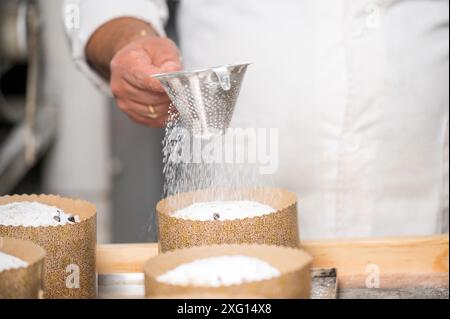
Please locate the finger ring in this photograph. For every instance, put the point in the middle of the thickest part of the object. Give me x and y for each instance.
(151, 112)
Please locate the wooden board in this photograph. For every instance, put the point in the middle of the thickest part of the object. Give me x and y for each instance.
(401, 262)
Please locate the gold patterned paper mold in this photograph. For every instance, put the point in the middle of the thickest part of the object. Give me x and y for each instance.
(25, 282)
(277, 228)
(294, 266)
(69, 270)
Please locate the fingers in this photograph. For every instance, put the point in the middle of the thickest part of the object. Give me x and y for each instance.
(138, 94)
(134, 66)
(156, 123)
(150, 115)
(170, 66)
(141, 77)
(152, 111)
(143, 96)
(166, 58)
(137, 62)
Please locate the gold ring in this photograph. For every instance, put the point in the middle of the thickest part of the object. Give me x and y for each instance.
(151, 112)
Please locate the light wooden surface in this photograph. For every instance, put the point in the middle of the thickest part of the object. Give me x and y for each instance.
(401, 262)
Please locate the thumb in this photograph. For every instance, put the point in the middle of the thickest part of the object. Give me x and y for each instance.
(170, 66)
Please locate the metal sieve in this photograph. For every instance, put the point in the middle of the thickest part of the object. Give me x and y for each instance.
(205, 99)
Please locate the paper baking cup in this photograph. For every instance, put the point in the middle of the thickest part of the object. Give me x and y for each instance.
(278, 228)
(69, 270)
(26, 282)
(293, 264)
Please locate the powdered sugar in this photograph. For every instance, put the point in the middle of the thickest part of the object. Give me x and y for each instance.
(223, 210)
(220, 271)
(34, 214)
(11, 262)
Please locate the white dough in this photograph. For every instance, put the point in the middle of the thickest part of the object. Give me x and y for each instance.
(33, 214)
(220, 271)
(11, 262)
(226, 210)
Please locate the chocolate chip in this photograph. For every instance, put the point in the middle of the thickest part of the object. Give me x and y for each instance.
(57, 218)
(216, 216)
(71, 219)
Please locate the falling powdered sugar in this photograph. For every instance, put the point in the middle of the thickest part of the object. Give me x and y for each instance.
(8, 262)
(34, 214)
(193, 163)
(220, 271)
(223, 210)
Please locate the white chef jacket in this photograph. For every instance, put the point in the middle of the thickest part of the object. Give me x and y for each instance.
(358, 90)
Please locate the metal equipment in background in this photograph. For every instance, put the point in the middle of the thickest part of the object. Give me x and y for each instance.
(13, 50)
(26, 130)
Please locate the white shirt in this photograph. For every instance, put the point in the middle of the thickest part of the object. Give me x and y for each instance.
(358, 90)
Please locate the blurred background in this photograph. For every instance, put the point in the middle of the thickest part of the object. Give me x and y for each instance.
(59, 135)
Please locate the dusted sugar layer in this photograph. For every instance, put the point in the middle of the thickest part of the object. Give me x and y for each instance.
(34, 214)
(8, 262)
(223, 210)
(69, 270)
(220, 271)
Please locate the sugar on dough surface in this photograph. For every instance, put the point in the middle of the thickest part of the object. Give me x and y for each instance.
(220, 271)
(223, 210)
(34, 214)
(11, 262)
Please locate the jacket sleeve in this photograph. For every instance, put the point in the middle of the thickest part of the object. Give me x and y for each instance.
(83, 17)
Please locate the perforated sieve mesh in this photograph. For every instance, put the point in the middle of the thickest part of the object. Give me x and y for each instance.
(206, 98)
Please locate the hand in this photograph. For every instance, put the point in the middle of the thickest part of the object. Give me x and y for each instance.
(138, 95)
(127, 52)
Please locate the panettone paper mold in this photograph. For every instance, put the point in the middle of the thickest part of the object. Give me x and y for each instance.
(277, 228)
(294, 265)
(69, 268)
(24, 282)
